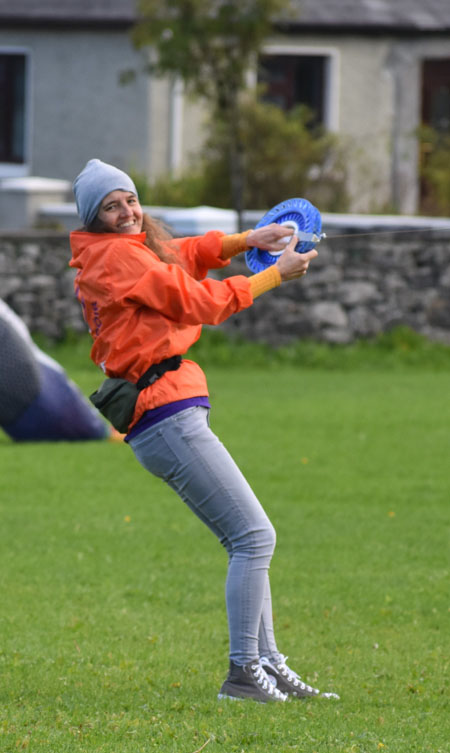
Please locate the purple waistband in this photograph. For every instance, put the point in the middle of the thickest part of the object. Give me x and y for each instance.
(156, 415)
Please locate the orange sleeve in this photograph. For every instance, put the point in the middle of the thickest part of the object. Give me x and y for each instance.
(143, 279)
(263, 281)
(234, 244)
(200, 253)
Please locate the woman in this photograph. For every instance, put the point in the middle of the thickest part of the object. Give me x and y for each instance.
(145, 297)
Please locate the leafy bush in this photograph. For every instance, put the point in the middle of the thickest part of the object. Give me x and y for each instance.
(185, 191)
(284, 155)
(435, 171)
(399, 348)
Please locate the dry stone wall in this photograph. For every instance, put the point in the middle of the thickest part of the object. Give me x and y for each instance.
(356, 288)
(37, 283)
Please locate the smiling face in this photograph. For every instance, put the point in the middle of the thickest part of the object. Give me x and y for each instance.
(120, 212)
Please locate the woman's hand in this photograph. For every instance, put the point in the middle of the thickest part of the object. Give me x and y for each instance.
(271, 237)
(291, 264)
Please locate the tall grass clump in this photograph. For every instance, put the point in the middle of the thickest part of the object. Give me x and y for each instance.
(398, 348)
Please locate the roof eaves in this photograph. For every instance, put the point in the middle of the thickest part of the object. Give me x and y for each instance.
(362, 29)
(76, 21)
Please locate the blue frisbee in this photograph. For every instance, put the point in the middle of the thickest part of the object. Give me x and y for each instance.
(298, 214)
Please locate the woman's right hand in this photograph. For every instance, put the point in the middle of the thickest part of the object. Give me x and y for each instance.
(291, 264)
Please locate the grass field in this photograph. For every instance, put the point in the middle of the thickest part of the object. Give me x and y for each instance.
(112, 619)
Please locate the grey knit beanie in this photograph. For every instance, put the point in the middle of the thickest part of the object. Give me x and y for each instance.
(95, 182)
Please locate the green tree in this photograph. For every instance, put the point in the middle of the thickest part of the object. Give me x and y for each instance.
(211, 45)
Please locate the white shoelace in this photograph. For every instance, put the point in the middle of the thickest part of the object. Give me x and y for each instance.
(262, 679)
(282, 668)
(293, 677)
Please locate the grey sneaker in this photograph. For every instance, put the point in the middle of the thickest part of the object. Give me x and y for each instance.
(288, 681)
(250, 681)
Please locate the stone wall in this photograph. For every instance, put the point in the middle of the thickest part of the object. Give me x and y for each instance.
(357, 287)
(37, 283)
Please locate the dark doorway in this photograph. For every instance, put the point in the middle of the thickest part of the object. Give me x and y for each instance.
(436, 116)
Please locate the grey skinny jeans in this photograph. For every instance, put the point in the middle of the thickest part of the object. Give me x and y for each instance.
(184, 452)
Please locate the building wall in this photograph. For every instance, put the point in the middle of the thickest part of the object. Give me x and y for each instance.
(374, 105)
(367, 79)
(377, 110)
(78, 109)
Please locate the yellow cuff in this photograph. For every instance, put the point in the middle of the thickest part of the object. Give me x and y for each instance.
(263, 281)
(234, 244)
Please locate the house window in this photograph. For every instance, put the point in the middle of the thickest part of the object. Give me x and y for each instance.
(436, 94)
(12, 107)
(296, 79)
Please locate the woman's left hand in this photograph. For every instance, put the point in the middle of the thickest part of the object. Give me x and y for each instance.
(271, 237)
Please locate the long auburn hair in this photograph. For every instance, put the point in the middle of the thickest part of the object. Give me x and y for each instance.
(158, 238)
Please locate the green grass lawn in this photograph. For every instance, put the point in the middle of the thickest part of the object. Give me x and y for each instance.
(112, 619)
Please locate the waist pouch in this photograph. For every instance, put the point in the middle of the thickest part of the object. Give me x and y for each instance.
(116, 398)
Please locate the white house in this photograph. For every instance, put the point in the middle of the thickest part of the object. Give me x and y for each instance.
(373, 70)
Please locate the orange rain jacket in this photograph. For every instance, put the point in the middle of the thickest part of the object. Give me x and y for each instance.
(141, 310)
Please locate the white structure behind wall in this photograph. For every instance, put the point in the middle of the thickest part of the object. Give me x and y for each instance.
(176, 126)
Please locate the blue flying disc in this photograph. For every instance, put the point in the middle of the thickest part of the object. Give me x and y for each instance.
(299, 214)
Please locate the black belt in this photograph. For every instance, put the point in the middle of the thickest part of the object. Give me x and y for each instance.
(157, 370)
